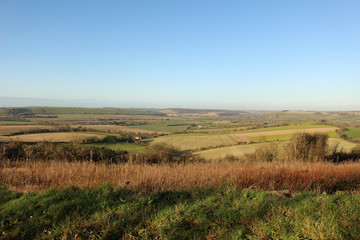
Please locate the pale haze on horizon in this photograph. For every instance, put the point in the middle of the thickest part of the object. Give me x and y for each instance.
(260, 55)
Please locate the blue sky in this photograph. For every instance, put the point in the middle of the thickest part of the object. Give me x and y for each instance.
(248, 54)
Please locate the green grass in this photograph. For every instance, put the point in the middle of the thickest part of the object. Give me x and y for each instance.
(130, 147)
(223, 213)
(353, 133)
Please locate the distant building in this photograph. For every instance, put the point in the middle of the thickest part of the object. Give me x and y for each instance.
(138, 138)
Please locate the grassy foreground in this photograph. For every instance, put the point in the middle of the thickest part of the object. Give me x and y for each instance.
(208, 213)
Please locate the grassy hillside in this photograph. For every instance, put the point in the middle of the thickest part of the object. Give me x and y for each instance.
(207, 213)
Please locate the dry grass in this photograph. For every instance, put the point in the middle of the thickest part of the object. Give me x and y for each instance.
(186, 142)
(341, 143)
(236, 151)
(37, 176)
(6, 130)
(116, 129)
(50, 137)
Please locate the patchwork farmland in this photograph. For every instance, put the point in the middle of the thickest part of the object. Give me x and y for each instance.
(166, 165)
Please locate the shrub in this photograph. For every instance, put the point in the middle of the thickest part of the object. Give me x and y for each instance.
(163, 153)
(109, 139)
(267, 153)
(307, 147)
(44, 151)
(304, 147)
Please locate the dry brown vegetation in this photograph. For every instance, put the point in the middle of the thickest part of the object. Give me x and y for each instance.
(38, 176)
(115, 129)
(51, 137)
(6, 130)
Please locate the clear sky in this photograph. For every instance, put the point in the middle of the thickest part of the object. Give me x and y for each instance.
(241, 54)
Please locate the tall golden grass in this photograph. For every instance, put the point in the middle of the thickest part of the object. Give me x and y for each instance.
(38, 176)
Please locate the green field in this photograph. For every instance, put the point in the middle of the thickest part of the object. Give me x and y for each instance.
(130, 147)
(353, 133)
